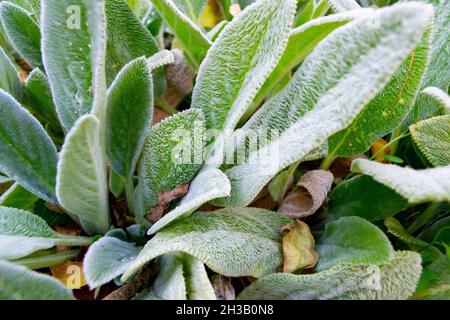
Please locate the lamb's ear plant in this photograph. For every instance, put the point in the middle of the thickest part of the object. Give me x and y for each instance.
(108, 163)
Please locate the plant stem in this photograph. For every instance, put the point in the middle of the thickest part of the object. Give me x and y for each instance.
(129, 194)
(396, 136)
(48, 260)
(327, 162)
(69, 241)
(165, 106)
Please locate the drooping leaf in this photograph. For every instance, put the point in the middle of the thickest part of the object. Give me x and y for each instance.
(328, 92)
(195, 43)
(432, 136)
(19, 283)
(417, 186)
(107, 259)
(73, 50)
(81, 181)
(9, 80)
(366, 198)
(32, 164)
(240, 61)
(38, 97)
(302, 42)
(18, 197)
(208, 185)
(394, 280)
(128, 39)
(22, 31)
(22, 233)
(220, 239)
(169, 157)
(352, 240)
(384, 113)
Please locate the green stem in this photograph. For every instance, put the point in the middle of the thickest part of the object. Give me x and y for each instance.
(69, 241)
(327, 162)
(396, 136)
(48, 260)
(160, 102)
(429, 213)
(129, 193)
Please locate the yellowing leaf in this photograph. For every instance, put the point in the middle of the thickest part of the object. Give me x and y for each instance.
(70, 273)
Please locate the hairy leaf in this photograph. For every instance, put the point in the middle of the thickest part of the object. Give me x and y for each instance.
(107, 259)
(393, 280)
(220, 239)
(440, 96)
(208, 185)
(328, 92)
(74, 49)
(417, 186)
(18, 197)
(434, 282)
(81, 182)
(9, 80)
(19, 283)
(22, 32)
(352, 240)
(32, 164)
(344, 5)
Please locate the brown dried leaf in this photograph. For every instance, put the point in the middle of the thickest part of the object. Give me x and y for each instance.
(165, 198)
(379, 149)
(298, 248)
(309, 195)
(223, 288)
(341, 166)
(180, 79)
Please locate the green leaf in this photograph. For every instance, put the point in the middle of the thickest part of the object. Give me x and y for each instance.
(163, 165)
(195, 43)
(366, 198)
(208, 185)
(73, 50)
(432, 136)
(19, 283)
(436, 75)
(128, 40)
(352, 240)
(217, 30)
(22, 233)
(38, 97)
(394, 280)
(328, 92)
(9, 79)
(32, 164)
(220, 239)
(192, 8)
(22, 31)
(302, 42)
(81, 182)
(417, 186)
(18, 197)
(434, 281)
(240, 61)
(440, 96)
(344, 5)
(384, 113)
(182, 277)
(107, 259)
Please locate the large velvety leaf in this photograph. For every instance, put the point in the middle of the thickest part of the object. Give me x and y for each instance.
(240, 60)
(208, 185)
(9, 79)
(352, 240)
(19, 283)
(417, 186)
(432, 136)
(127, 40)
(327, 93)
(366, 198)
(393, 280)
(383, 114)
(18, 197)
(22, 233)
(81, 182)
(436, 75)
(302, 42)
(182, 277)
(162, 167)
(195, 43)
(107, 259)
(73, 49)
(32, 164)
(22, 31)
(38, 97)
(220, 240)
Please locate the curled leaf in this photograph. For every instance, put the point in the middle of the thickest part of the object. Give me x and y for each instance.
(310, 194)
(298, 248)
